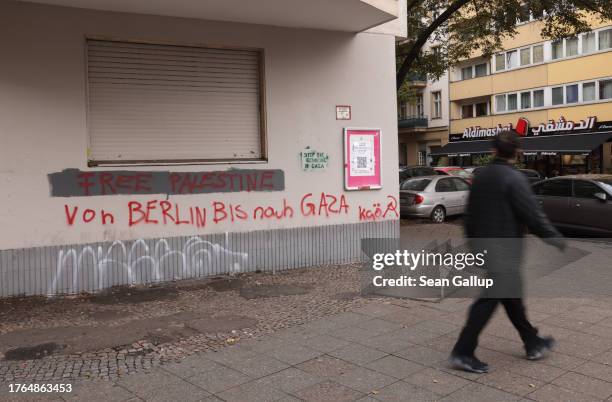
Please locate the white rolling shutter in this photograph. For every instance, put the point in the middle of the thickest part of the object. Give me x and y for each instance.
(160, 103)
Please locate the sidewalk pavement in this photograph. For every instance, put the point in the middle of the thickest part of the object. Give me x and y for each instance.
(389, 350)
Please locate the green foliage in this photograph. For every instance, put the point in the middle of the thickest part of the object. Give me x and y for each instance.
(483, 160)
(443, 32)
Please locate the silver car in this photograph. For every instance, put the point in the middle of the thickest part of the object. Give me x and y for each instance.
(434, 197)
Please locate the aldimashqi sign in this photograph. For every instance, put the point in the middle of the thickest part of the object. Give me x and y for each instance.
(523, 128)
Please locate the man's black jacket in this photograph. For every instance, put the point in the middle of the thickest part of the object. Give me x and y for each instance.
(501, 208)
(502, 205)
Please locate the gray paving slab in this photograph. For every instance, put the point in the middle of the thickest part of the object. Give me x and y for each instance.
(395, 366)
(357, 354)
(292, 353)
(480, 393)
(253, 391)
(215, 381)
(402, 391)
(328, 391)
(588, 385)
(554, 393)
(326, 366)
(511, 382)
(291, 380)
(437, 381)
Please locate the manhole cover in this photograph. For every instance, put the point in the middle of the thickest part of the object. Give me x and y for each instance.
(259, 292)
(32, 352)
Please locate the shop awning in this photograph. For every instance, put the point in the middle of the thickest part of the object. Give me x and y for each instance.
(565, 144)
(464, 148)
(558, 144)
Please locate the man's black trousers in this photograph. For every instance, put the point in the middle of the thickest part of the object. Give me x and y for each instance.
(480, 313)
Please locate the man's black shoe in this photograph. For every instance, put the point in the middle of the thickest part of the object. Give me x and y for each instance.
(544, 346)
(468, 363)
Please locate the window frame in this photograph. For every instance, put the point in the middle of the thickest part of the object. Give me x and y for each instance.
(547, 51)
(521, 106)
(599, 48)
(595, 95)
(599, 91)
(552, 95)
(445, 179)
(436, 112)
(547, 96)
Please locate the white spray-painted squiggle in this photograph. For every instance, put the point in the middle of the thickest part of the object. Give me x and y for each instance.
(197, 257)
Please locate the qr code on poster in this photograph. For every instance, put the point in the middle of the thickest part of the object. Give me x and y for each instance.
(362, 162)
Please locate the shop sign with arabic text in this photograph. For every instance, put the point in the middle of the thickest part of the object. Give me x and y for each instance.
(523, 128)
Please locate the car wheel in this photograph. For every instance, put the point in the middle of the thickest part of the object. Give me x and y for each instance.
(438, 215)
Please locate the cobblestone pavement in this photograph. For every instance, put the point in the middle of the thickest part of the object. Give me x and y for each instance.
(325, 344)
(166, 325)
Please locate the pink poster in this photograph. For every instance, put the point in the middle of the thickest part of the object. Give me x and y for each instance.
(362, 159)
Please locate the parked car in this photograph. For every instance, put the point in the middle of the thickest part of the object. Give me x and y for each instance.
(472, 169)
(434, 197)
(532, 175)
(407, 172)
(578, 204)
(454, 171)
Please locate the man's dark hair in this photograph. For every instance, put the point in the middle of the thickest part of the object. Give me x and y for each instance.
(506, 144)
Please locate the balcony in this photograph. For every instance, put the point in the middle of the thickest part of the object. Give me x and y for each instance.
(337, 15)
(417, 80)
(413, 122)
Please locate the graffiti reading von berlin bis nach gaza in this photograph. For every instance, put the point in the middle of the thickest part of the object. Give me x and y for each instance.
(163, 212)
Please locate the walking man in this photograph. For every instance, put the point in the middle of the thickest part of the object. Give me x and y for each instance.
(501, 205)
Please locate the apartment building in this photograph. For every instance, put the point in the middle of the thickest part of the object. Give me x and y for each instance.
(154, 141)
(423, 121)
(556, 94)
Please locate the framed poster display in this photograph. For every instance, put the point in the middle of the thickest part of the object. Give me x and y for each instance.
(362, 152)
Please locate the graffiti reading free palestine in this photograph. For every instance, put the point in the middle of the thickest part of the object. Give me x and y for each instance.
(163, 212)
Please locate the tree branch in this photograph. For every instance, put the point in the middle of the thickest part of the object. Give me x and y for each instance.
(412, 4)
(421, 40)
(591, 7)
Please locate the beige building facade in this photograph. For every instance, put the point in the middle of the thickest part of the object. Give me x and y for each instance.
(542, 88)
(144, 142)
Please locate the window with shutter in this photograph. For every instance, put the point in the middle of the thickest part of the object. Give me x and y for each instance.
(164, 104)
